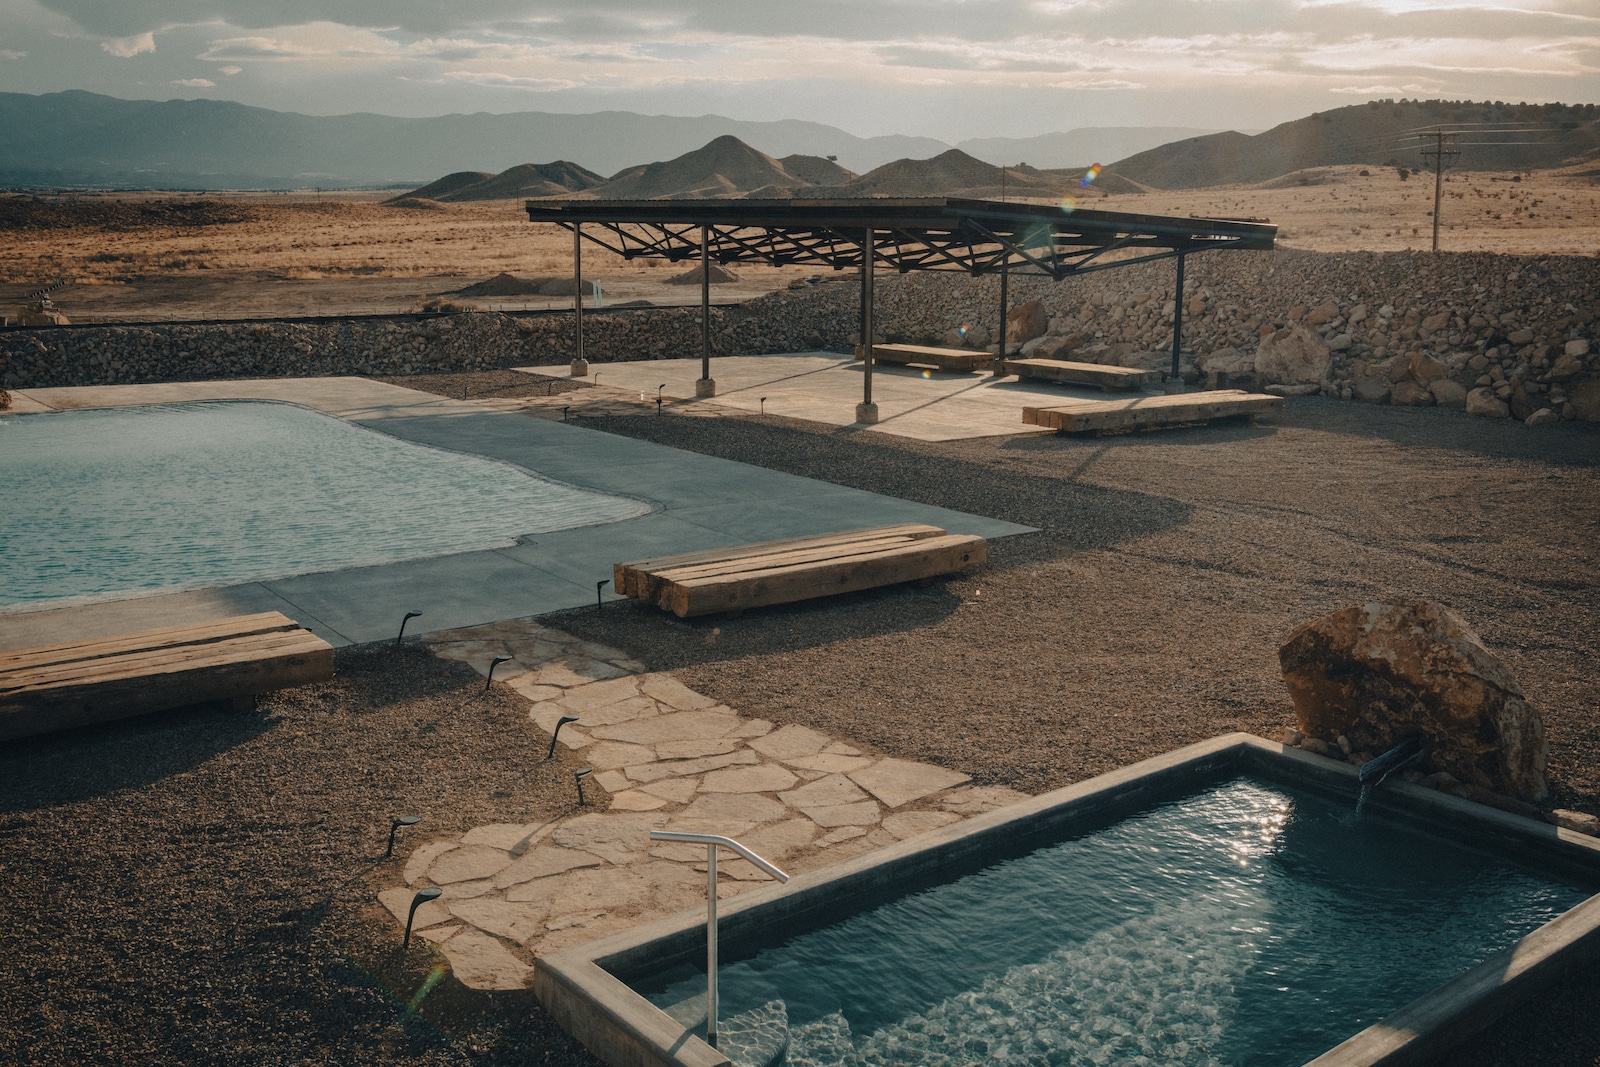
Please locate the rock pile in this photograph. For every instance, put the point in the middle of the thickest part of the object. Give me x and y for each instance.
(1498, 336)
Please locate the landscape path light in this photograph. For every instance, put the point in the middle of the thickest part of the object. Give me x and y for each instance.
(578, 776)
(422, 897)
(409, 616)
(599, 601)
(487, 682)
(394, 828)
(557, 733)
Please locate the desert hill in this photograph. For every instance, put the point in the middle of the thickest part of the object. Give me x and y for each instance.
(1493, 136)
(724, 167)
(449, 185)
(1076, 149)
(560, 178)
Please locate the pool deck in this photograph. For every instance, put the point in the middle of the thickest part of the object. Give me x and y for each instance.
(825, 387)
(702, 502)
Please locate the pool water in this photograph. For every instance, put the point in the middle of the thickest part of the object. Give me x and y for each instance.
(1242, 925)
(121, 502)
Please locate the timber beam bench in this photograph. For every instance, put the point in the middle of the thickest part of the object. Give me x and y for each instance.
(948, 359)
(61, 686)
(796, 568)
(1151, 412)
(1068, 372)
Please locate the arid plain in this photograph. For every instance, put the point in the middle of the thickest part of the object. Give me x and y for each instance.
(246, 255)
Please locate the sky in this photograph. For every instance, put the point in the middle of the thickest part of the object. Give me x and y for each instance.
(950, 69)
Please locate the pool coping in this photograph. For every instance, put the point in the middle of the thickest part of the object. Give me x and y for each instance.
(581, 990)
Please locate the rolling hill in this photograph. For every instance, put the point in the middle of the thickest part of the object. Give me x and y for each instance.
(1378, 133)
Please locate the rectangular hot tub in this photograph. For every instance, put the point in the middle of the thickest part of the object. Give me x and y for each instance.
(1221, 904)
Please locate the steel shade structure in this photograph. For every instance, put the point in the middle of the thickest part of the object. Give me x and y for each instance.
(974, 237)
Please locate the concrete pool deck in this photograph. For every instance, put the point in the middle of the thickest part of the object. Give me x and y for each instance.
(825, 387)
(701, 501)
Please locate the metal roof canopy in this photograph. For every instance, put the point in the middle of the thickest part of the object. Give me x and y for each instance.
(921, 233)
(936, 233)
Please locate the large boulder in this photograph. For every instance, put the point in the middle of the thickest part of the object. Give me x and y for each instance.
(1386, 671)
(1292, 356)
(1484, 403)
(1585, 398)
(1026, 322)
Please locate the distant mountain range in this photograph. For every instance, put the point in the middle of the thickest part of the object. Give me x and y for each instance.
(76, 139)
(728, 168)
(82, 138)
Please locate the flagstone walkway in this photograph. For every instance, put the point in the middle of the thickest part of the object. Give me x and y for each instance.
(670, 758)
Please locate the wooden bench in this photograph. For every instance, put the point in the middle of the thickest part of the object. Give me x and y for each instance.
(796, 568)
(57, 687)
(1069, 373)
(1150, 412)
(950, 359)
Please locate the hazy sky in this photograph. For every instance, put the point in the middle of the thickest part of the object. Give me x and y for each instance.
(943, 68)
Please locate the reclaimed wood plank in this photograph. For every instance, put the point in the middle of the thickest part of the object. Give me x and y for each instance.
(1068, 372)
(924, 558)
(116, 644)
(634, 579)
(1149, 412)
(57, 687)
(781, 559)
(948, 359)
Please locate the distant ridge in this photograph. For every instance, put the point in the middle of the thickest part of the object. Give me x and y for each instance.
(1076, 148)
(524, 180)
(1378, 133)
(78, 138)
(722, 168)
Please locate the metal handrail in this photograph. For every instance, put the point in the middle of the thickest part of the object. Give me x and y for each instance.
(711, 841)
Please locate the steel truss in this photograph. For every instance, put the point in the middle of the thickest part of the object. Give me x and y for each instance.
(932, 233)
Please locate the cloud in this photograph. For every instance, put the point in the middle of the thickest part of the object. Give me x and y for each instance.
(494, 80)
(1380, 90)
(230, 70)
(127, 47)
(11, 53)
(196, 83)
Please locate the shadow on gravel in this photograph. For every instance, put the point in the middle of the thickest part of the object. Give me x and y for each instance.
(1226, 432)
(1567, 444)
(92, 761)
(1072, 517)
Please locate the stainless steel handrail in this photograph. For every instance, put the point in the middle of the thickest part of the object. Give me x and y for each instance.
(711, 841)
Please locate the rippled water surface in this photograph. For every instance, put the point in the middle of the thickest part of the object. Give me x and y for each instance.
(126, 501)
(1242, 925)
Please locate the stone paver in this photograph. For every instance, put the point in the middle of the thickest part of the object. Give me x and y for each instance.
(666, 756)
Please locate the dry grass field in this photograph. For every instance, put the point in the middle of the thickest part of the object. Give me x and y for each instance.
(159, 256)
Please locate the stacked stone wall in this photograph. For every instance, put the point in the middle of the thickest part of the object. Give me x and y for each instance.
(1505, 336)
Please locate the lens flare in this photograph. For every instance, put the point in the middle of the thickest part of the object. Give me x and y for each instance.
(1068, 204)
(1090, 175)
(963, 328)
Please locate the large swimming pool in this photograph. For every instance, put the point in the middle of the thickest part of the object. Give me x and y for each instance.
(1247, 924)
(118, 502)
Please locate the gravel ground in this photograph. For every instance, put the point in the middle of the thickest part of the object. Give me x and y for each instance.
(475, 385)
(1148, 612)
(199, 887)
(194, 888)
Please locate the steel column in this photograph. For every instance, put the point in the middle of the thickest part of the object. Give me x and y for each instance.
(868, 264)
(711, 946)
(1000, 353)
(580, 366)
(705, 303)
(1177, 320)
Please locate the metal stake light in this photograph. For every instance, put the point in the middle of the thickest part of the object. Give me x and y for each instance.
(409, 616)
(578, 776)
(557, 733)
(487, 682)
(394, 828)
(422, 897)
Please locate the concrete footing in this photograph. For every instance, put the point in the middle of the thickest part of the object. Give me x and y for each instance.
(705, 387)
(580, 368)
(1172, 386)
(867, 414)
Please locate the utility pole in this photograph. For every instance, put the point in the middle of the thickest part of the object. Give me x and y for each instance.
(1444, 152)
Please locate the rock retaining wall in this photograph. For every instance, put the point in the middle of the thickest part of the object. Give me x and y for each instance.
(1501, 336)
